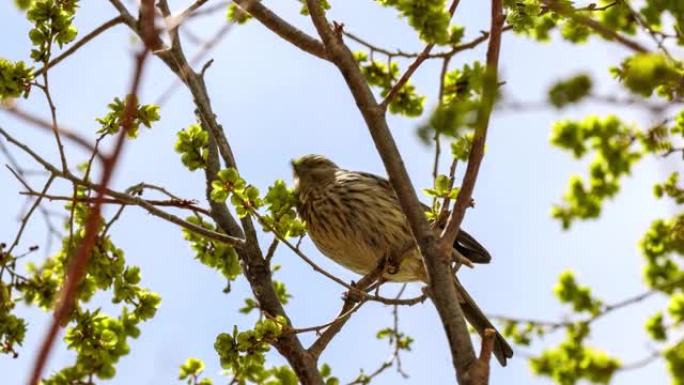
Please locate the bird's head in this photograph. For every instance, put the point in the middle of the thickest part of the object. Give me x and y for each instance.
(311, 171)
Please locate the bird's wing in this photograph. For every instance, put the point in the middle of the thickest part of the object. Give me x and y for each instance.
(465, 244)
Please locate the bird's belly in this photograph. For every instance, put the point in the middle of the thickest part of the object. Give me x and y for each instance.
(361, 258)
(353, 255)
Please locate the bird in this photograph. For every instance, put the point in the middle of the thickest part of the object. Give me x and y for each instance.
(354, 218)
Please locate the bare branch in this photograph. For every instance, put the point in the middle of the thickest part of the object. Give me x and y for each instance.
(397, 301)
(203, 51)
(53, 110)
(337, 319)
(405, 77)
(395, 357)
(437, 55)
(176, 21)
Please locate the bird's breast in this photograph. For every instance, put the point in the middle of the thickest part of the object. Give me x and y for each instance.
(356, 221)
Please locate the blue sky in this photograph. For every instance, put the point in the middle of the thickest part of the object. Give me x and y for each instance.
(277, 103)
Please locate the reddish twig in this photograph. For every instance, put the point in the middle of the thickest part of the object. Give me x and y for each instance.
(44, 124)
(79, 264)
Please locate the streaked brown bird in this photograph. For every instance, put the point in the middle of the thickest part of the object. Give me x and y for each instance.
(354, 218)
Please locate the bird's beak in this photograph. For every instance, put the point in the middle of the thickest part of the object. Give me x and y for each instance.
(294, 164)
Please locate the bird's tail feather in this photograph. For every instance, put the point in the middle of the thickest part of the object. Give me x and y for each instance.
(476, 318)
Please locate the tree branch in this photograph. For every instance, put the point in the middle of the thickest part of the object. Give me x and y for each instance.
(477, 150)
(348, 308)
(44, 124)
(255, 267)
(414, 66)
(441, 281)
(24, 220)
(123, 197)
(283, 29)
(607, 33)
(79, 264)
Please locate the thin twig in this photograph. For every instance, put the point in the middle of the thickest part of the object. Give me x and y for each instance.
(413, 67)
(605, 309)
(25, 219)
(640, 19)
(20, 173)
(638, 364)
(173, 22)
(181, 204)
(608, 33)
(126, 198)
(271, 250)
(297, 251)
(350, 302)
(53, 110)
(80, 43)
(319, 328)
(44, 124)
(406, 76)
(203, 51)
(395, 357)
(489, 91)
(410, 55)
(115, 218)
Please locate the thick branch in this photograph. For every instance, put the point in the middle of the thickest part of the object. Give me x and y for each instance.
(283, 29)
(441, 281)
(256, 268)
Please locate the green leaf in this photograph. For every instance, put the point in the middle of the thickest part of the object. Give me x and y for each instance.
(191, 367)
(570, 91)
